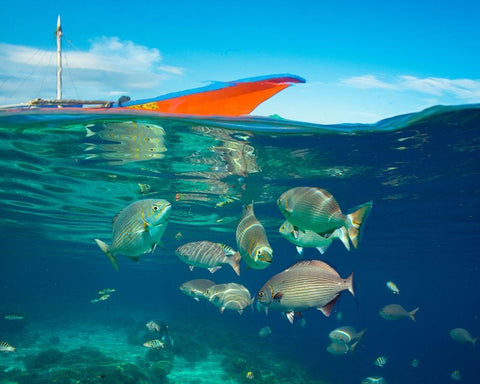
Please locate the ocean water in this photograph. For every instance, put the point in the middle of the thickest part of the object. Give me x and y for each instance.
(65, 176)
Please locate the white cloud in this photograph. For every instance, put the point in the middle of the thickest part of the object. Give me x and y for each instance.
(108, 66)
(463, 89)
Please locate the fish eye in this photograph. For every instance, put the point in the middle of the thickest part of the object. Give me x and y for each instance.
(155, 208)
(261, 294)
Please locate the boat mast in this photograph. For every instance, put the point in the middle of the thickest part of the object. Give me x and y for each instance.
(58, 34)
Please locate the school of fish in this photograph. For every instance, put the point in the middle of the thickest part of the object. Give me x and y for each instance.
(312, 219)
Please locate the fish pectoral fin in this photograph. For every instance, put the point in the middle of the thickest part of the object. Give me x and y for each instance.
(327, 309)
(299, 250)
(214, 269)
(290, 315)
(278, 296)
(322, 249)
(134, 258)
(196, 299)
(190, 267)
(145, 224)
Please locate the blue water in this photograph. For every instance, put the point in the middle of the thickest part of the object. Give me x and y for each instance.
(61, 188)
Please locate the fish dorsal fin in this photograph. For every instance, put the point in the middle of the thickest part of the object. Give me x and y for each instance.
(228, 250)
(316, 264)
(116, 217)
(247, 210)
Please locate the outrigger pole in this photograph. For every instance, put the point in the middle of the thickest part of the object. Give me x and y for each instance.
(58, 34)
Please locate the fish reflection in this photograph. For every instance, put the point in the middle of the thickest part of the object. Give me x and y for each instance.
(125, 141)
(239, 157)
(236, 155)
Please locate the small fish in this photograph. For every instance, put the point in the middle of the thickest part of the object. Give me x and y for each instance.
(462, 336)
(339, 349)
(310, 239)
(104, 297)
(205, 254)
(231, 296)
(107, 291)
(456, 375)
(94, 301)
(252, 240)
(265, 331)
(374, 380)
(415, 363)
(154, 344)
(196, 288)
(13, 317)
(152, 326)
(249, 375)
(306, 284)
(5, 347)
(137, 229)
(178, 235)
(315, 209)
(381, 361)
(345, 335)
(339, 316)
(144, 188)
(397, 312)
(392, 287)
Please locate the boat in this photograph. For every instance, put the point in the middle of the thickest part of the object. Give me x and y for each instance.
(232, 98)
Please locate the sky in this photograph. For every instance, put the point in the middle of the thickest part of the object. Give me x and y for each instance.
(363, 60)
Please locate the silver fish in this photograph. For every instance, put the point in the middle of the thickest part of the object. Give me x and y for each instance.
(339, 349)
(397, 312)
(252, 240)
(392, 287)
(456, 375)
(374, 380)
(205, 254)
(381, 361)
(137, 229)
(345, 335)
(154, 344)
(306, 284)
(310, 239)
(315, 209)
(231, 296)
(462, 336)
(196, 288)
(5, 347)
(265, 331)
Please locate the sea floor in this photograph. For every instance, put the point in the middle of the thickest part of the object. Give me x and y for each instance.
(91, 353)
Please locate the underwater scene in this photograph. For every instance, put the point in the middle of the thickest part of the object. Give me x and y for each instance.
(140, 248)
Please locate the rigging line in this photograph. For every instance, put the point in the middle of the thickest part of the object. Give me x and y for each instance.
(69, 71)
(34, 68)
(46, 71)
(28, 62)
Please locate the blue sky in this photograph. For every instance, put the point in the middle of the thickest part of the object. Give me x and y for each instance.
(363, 60)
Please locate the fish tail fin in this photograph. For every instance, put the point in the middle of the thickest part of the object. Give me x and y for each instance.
(412, 313)
(342, 234)
(352, 347)
(106, 249)
(234, 261)
(349, 282)
(357, 219)
(360, 334)
(89, 131)
(474, 341)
